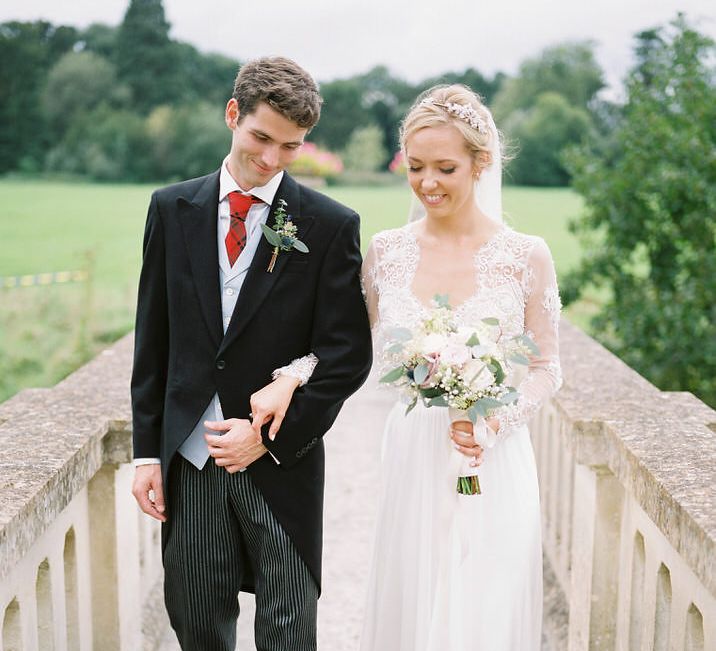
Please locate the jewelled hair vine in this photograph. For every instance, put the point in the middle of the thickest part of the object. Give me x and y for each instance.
(464, 112)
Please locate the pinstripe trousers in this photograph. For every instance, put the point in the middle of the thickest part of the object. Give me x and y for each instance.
(217, 521)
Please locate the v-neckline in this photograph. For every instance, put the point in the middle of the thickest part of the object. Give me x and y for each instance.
(488, 243)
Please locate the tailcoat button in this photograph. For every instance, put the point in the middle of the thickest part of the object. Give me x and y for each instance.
(221, 364)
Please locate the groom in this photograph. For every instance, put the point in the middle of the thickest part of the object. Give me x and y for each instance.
(214, 320)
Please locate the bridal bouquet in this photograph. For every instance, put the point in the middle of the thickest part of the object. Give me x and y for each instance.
(463, 368)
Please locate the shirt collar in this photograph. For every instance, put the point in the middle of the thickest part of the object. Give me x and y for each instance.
(266, 193)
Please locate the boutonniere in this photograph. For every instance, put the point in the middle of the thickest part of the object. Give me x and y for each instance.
(282, 237)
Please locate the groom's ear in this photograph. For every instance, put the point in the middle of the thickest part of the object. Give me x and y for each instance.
(231, 115)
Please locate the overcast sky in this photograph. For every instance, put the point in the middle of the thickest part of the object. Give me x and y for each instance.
(414, 38)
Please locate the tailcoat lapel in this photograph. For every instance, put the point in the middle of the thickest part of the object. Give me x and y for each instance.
(259, 281)
(198, 216)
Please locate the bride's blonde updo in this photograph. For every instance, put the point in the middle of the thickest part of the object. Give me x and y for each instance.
(458, 106)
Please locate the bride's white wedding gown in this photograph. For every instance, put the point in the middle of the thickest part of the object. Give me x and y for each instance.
(453, 572)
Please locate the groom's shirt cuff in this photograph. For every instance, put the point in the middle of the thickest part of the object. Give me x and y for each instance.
(145, 461)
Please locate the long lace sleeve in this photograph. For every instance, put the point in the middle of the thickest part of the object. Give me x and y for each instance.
(369, 283)
(301, 368)
(542, 309)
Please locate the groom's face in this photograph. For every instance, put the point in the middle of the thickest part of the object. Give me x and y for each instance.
(263, 143)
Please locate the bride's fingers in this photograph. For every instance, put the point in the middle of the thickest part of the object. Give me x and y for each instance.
(461, 438)
(474, 451)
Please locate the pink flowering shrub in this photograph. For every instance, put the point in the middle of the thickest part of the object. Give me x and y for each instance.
(397, 165)
(313, 161)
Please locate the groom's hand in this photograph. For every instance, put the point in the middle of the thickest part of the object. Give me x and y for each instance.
(236, 449)
(148, 491)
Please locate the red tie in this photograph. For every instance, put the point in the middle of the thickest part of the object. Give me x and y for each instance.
(239, 205)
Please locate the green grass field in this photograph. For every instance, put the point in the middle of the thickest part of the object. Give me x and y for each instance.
(47, 331)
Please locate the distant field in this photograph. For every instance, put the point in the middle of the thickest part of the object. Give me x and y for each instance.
(46, 332)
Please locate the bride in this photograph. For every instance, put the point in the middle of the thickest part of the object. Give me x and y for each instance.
(456, 572)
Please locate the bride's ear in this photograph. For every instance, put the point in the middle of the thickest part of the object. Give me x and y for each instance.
(482, 160)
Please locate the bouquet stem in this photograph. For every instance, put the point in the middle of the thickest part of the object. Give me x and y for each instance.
(468, 485)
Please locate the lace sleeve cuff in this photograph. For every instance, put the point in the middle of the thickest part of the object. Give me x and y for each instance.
(301, 369)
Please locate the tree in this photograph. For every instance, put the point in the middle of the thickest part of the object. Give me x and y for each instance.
(568, 69)
(186, 141)
(649, 227)
(100, 39)
(342, 112)
(386, 99)
(548, 107)
(78, 83)
(542, 132)
(26, 50)
(106, 145)
(365, 151)
(203, 77)
(484, 87)
(144, 55)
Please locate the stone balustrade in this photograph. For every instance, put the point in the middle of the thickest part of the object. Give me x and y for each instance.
(628, 493)
(628, 481)
(79, 566)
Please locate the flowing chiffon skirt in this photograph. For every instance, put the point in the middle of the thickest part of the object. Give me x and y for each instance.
(454, 572)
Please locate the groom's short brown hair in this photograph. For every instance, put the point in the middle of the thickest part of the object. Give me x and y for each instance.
(283, 85)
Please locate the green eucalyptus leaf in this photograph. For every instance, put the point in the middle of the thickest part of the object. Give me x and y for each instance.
(400, 334)
(489, 403)
(274, 239)
(518, 358)
(395, 348)
(438, 401)
(491, 321)
(420, 373)
(392, 376)
(499, 372)
(441, 300)
(411, 406)
(300, 246)
(478, 409)
(527, 342)
(473, 340)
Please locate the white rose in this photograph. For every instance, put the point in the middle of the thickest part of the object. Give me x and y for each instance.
(432, 343)
(455, 354)
(477, 375)
(464, 333)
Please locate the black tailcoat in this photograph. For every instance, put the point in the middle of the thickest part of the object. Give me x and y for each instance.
(311, 302)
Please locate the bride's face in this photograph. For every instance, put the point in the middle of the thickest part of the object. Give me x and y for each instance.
(440, 170)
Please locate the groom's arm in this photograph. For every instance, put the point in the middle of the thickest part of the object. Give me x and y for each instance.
(341, 342)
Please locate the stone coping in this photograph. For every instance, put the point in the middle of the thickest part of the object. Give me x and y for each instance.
(660, 445)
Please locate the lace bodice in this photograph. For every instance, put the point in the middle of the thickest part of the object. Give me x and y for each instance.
(515, 282)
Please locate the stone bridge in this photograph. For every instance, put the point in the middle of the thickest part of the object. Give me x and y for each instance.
(628, 490)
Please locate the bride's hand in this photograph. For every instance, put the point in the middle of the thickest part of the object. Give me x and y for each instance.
(461, 434)
(271, 402)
